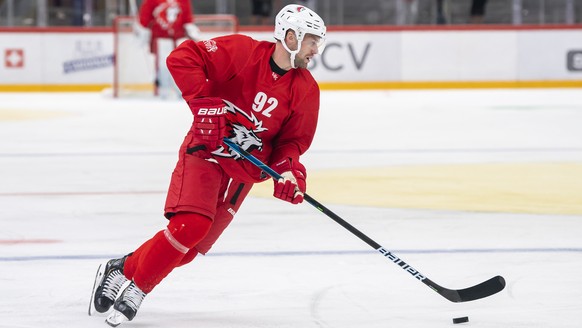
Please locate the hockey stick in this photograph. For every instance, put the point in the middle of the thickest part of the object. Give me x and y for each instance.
(484, 289)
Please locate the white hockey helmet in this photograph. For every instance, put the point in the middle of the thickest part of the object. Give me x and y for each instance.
(301, 20)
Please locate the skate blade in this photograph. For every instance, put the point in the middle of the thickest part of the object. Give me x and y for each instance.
(116, 318)
(98, 279)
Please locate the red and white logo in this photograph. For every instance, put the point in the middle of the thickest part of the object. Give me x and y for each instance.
(14, 58)
(212, 111)
(210, 45)
(166, 14)
(245, 129)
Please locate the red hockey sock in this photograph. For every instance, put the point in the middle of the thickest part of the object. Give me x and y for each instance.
(157, 257)
(189, 257)
(133, 259)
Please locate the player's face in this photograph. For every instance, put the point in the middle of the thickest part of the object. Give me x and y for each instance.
(309, 48)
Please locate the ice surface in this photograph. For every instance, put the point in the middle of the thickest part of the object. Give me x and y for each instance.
(83, 177)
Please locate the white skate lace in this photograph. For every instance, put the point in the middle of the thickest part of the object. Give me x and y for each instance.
(113, 284)
(133, 296)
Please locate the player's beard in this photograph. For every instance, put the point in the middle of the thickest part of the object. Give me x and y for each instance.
(300, 62)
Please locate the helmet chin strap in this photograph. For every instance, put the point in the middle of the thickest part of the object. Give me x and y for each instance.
(292, 53)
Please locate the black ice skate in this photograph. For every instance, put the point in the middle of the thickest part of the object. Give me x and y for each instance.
(126, 305)
(108, 282)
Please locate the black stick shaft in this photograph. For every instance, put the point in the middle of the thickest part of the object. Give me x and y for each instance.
(481, 290)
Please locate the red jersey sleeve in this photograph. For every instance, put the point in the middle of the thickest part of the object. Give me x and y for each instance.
(193, 63)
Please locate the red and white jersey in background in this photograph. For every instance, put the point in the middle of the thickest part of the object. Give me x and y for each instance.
(166, 18)
(271, 116)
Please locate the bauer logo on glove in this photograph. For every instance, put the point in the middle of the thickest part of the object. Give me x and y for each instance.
(212, 111)
(209, 120)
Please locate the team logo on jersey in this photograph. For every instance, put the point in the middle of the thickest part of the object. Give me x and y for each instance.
(244, 131)
(210, 45)
(166, 14)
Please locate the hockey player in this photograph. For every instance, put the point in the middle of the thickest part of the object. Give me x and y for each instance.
(258, 94)
(165, 24)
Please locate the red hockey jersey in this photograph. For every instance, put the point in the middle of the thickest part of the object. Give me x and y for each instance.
(269, 115)
(166, 18)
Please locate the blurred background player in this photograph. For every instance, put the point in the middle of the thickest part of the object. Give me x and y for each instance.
(165, 24)
(268, 105)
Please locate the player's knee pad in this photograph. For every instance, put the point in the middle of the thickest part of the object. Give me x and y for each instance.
(186, 229)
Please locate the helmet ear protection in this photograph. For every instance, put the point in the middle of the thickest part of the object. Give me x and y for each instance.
(300, 20)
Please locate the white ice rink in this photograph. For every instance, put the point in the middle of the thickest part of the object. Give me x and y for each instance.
(83, 179)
